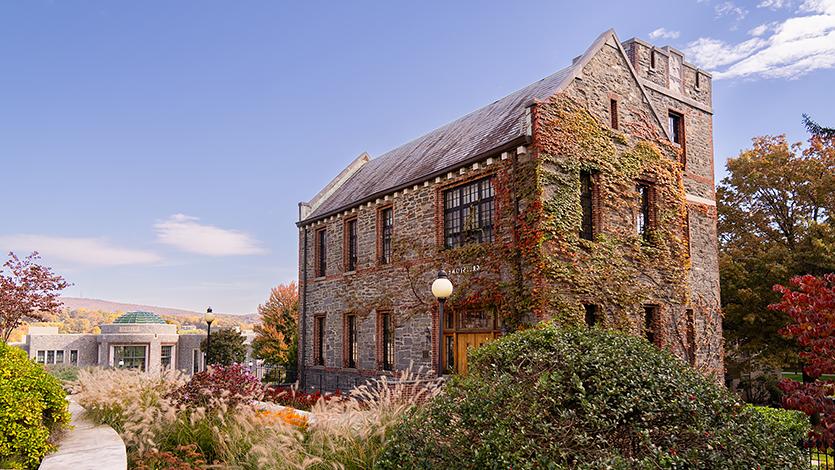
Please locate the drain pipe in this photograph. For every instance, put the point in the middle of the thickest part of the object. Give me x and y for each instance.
(303, 313)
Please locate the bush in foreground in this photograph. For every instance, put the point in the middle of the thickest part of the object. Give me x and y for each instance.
(32, 405)
(571, 398)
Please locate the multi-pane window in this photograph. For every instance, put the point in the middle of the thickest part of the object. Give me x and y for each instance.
(351, 244)
(387, 341)
(59, 357)
(74, 357)
(129, 357)
(166, 355)
(642, 218)
(50, 357)
(41, 357)
(591, 314)
(468, 213)
(650, 322)
(386, 228)
(321, 253)
(352, 354)
(320, 341)
(613, 113)
(587, 205)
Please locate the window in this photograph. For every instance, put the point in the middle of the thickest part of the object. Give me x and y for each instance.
(650, 322)
(386, 227)
(691, 336)
(698, 80)
(50, 357)
(468, 213)
(166, 355)
(129, 357)
(74, 357)
(591, 314)
(643, 221)
(59, 357)
(613, 113)
(652, 59)
(321, 252)
(387, 343)
(41, 357)
(351, 354)
(319, 335)
(195, 361)
(676, 129)
(351, 245)
(587, 205)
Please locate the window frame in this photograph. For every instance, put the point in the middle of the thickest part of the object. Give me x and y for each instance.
(676, 122)
(133, 347)
(59, 356)
(646, 209)
(351, 246)
(350, 341)
(40, 356)
(650, 323)
(321, 252)
(73, 357)
(319, 323)
(460, 212)
(385, 343)
(170, 356)
(592, 317)
(589, 224)
(385, 234)
(614, 118)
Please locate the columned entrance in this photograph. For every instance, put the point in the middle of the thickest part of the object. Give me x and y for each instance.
(465, 330)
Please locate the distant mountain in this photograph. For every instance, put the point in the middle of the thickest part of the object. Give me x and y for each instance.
(75, 303)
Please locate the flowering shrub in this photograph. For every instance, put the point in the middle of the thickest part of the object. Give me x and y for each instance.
(300, 400)
(578, 398)
(234, 384)
(32, 405)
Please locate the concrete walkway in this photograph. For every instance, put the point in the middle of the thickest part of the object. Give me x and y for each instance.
(87, 446)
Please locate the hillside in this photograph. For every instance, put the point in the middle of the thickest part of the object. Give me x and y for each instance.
(78, 303)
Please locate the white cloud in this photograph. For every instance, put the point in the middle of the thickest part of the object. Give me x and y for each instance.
(664, 33)
(83, 251)
(774, 4)
(794, 47)
(184, 232)
(758, 31)
(730, 9)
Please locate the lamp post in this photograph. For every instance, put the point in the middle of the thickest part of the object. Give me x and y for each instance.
(209, 317)
(441, 289)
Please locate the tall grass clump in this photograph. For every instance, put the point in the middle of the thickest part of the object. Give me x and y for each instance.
(167, 421)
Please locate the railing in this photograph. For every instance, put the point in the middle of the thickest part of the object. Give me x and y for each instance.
(268, 374)
(820, 454)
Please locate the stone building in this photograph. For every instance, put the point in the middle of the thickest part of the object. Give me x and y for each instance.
(135, 340)
(586, 197)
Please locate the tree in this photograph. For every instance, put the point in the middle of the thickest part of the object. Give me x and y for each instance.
(811, 306)
(227, 347)
(816, 129)
(276, 339)
(775, 221)
(28, 290)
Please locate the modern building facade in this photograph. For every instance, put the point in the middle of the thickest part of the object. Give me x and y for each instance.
(135, 340)
(586, 197)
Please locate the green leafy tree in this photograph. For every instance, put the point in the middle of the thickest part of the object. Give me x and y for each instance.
(775, 221)
(276, 340)
(227, 347)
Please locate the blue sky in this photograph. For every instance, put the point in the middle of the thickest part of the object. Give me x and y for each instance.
(155, 152)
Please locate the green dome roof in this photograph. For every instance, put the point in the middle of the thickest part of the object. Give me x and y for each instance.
(139, 317)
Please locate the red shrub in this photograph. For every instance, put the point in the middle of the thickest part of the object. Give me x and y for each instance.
(232, 384)
(297, 399)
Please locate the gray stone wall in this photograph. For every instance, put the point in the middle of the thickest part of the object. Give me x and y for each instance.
(86, 346)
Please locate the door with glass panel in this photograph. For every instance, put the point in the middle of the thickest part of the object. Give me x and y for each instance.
(464, 331)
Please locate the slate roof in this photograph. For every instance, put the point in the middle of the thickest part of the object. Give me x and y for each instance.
(467, 137)
(139, 317)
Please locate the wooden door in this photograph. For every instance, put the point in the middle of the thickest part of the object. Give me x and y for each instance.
(463, 343)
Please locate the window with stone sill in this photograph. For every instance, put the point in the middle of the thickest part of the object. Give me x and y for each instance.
(468, 213)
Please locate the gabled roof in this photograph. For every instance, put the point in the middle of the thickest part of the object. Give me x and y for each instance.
(466, 138)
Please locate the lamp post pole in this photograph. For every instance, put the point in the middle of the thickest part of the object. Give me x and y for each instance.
(441, 289)
(210, 317)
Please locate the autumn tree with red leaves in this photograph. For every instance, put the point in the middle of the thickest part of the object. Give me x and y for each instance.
(810, 302)
(28, 290)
